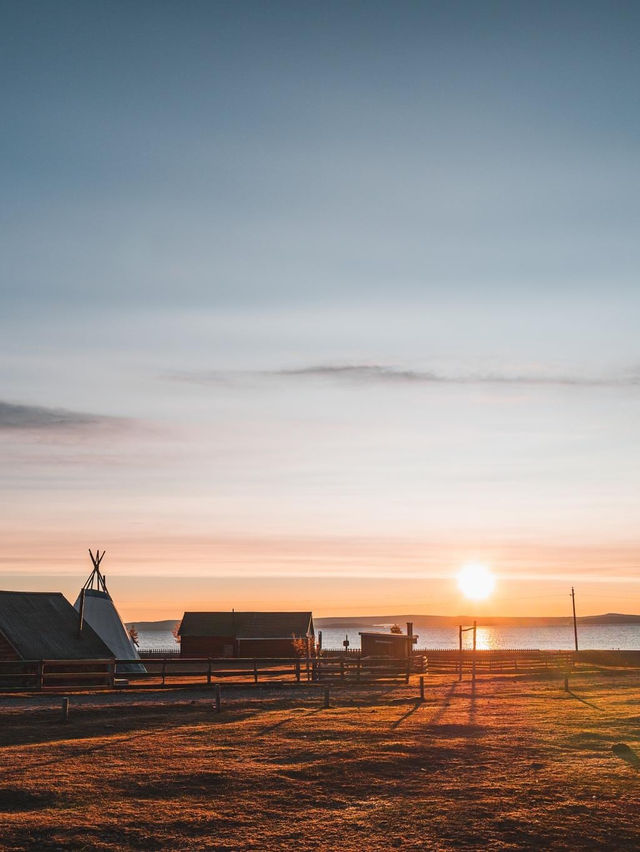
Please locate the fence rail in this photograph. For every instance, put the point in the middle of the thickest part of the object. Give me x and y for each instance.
(497, 660)
(155, 653)
(41, 674)
(174, 670)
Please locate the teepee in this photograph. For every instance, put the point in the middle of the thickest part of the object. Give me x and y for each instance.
(95, 606)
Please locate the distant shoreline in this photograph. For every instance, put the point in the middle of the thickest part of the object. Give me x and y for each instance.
(486, 620)
(433, 621)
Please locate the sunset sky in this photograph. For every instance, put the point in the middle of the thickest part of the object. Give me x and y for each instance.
(307, 304)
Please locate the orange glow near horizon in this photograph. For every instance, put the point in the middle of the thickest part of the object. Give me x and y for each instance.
(331, 576)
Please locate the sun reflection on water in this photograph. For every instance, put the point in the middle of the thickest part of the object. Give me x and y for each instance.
(486, 638)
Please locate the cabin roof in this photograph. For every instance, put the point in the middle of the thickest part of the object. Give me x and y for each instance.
(392, 637)
(44, 626)
(247, 625)
(380, 633)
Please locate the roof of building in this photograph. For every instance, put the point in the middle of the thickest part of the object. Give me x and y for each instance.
(392, 637)
(44, 626)
(247, 625)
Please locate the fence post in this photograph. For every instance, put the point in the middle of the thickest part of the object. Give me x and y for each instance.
(358, 670)
(566, 683)
(209, 671)
(164, 669)
(473, 667)
(408, 670)
(40, 674)
(421, 687)
(65, 709)
(341, 669)
(255, 671)
(297, 671)
(326, 697)
(218, 698)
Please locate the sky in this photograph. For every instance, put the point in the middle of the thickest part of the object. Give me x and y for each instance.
(305, 305)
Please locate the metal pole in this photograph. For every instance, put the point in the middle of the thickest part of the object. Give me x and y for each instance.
(460, 648)
(575, 623)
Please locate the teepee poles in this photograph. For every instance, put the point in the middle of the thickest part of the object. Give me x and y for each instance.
(96, 575)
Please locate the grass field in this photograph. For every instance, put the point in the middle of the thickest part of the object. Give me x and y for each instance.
(517, 763)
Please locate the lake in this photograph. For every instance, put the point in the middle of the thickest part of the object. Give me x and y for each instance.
(593, 636)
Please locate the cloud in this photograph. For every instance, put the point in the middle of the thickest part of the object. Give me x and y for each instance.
(36, 417)
(360, 372)
(382, 373)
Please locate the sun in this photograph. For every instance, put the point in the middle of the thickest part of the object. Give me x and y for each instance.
(476, 581)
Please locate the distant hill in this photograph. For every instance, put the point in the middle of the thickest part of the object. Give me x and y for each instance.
(487, 620)
(610, 618)
(169, 624)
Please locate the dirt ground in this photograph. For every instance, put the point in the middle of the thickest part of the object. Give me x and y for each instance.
(517, 763)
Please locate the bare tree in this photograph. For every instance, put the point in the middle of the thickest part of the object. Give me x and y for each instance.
(303, 646)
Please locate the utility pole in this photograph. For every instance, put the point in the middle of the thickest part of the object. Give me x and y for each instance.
(575, 624)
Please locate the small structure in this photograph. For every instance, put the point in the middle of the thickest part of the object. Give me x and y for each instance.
(245, 634)
(95, 607)
(396, 645)
(37, 626)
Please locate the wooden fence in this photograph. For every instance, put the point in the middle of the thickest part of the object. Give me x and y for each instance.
(175, 671)
(21, 675)
(610, 659)
(27, 675)
(497, 660)
(158, 653)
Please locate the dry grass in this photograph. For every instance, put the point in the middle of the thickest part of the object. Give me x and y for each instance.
(519, 764)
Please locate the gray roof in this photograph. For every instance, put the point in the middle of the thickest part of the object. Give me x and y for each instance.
(44, 626)
(247, 625)
(101, 614)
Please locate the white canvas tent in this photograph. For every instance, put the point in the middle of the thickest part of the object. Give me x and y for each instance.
(95, 606)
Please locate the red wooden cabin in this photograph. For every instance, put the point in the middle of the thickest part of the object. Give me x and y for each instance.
(244, 634)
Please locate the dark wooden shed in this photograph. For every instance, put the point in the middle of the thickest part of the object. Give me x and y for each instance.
(244, 634)
(397, 645)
